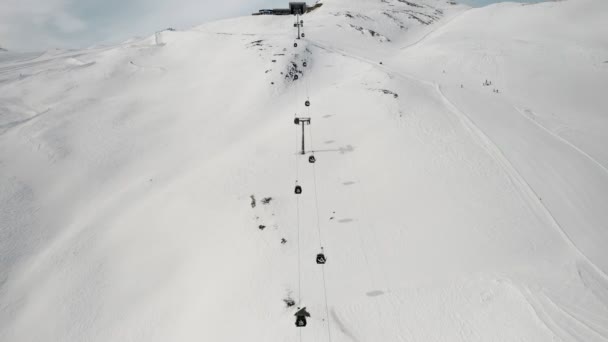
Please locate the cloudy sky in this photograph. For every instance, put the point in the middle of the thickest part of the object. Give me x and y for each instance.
(34, 25)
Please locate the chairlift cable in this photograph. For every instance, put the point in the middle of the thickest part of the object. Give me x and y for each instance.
(314, 178)
(307, 88)
(298, 227)
(326, 305)
(314, 174)
(298, 246)
(320, 236)
(297, 145)
(299, 254)
(306, 81)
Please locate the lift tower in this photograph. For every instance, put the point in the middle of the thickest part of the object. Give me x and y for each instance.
(298, 9)
(299, 24)
(303, 122)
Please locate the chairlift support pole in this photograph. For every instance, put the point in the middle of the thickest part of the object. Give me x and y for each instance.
(302, 121)
(303, 138)
(298, 24)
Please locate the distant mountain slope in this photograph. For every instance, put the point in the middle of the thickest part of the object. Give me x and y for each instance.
(147, 189)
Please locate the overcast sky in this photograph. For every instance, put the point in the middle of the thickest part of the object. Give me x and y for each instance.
(35, 25)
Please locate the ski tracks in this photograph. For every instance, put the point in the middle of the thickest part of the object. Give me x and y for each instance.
(543, 305)
(564, 323)
(561, 139)
(478, 135)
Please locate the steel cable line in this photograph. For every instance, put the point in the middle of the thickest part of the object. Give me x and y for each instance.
(299, 262)
(320, 236)
(314, 173)
(298, 234)
(306, 84)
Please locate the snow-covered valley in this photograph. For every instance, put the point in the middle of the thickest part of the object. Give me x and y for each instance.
(459, 191)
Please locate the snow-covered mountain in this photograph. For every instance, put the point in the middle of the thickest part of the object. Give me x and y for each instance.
(147, 189)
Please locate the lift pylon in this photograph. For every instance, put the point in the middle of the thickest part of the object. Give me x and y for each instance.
(299, 24)
(303, 122)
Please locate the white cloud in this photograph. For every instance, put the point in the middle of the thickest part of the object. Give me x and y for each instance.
(30, 24)
(68, 24)
(43, 24)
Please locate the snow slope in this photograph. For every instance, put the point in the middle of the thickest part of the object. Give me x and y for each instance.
(447, 211)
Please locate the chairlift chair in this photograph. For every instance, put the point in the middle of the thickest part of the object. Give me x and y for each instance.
(295, 44)
(303, 35)
(296, 121)
(312, 159)
(301, 317)
(305, 64)
(300, 322)
(295, 77)
(321, 260)
(307, 103)
(298, 190)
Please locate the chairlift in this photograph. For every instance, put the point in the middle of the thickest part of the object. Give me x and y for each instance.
(301, 317)
(321, 260)
(300, 322)
(298, 190)
(312, 159)
(307, 103)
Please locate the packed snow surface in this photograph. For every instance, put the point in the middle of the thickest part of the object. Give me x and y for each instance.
(460, 190)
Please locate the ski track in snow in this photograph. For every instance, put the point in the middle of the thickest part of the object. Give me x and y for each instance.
(517, 179)
(493, 149)
(562, 139)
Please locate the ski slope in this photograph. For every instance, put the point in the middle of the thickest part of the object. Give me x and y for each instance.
(147, 188)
